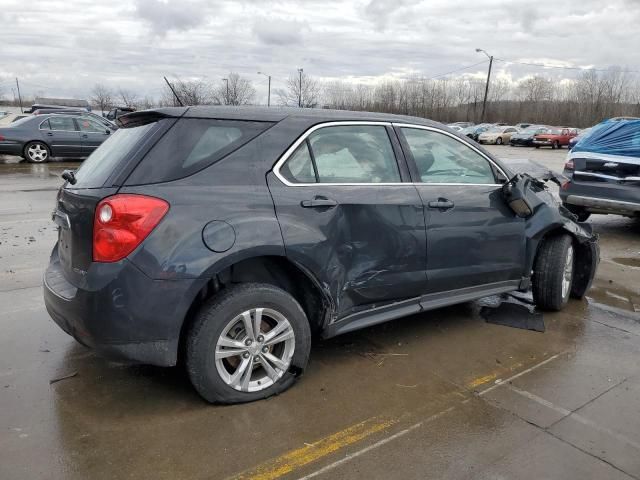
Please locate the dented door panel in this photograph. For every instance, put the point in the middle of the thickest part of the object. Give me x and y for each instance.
(366, 245)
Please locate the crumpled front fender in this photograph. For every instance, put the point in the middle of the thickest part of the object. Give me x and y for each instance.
(549, 217)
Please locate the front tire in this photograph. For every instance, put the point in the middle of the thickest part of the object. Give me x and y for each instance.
(553, 272)
(37, 152)
(249, 342)
(499, 141)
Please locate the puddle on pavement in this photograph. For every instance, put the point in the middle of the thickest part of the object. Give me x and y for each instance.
(628, 262)
(614, 297)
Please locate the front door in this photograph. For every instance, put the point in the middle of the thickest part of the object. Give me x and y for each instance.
(61, 134)
(347, 216)
(473, 237)
(92, 134)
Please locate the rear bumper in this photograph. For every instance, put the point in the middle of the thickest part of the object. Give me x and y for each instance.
(11, 148)
(604, 204)
(119, 311)
(603, 197)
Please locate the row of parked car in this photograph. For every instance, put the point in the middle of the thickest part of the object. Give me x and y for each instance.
(521, 134)
(45, 131)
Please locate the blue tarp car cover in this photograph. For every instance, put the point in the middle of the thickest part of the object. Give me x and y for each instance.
(612, 137)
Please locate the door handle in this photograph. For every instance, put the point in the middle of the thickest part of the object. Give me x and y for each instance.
(85, 135)
(319, 202)
(441, 204)
(50, 134)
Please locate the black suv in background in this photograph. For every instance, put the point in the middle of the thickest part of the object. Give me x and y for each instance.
(233, 234)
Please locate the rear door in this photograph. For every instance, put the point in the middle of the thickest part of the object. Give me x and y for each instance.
(62, 135)
(347, 215)
(92, 134)
(473, 237)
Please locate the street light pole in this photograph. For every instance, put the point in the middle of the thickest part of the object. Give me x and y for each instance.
(300, 70)
(269, 88)
(226, 80)
(486, 87)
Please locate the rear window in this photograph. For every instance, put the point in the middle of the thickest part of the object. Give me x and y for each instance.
(97, 168)
(191, 145)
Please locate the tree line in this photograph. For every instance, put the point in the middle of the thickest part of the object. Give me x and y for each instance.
(580, 102)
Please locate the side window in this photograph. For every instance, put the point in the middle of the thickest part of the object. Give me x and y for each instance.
(191, 145)
(44, 125)
(443, 159)
(62, 123)
(87, 125)
(299, 166)
(354, 154)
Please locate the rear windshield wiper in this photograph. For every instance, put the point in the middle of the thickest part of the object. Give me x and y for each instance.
(69, 176)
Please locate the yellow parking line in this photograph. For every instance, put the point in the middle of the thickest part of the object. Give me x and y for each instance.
(476, 382)
(295, 459)
(482, 380)
(300, 457)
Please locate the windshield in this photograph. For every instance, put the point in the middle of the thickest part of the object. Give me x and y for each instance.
(97, 168)
(495, 130)
(534, 130)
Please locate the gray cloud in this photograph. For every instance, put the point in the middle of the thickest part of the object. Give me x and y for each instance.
(134, 45)
(271, 31)
(163, 17)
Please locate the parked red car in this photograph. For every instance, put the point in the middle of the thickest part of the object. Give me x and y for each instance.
(555, 137)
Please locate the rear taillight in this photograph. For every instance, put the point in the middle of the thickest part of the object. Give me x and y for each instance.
(569, 165)
(1, 138)
(122, 222)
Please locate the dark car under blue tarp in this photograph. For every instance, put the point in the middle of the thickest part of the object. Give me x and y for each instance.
(604, 171)
(612, 137)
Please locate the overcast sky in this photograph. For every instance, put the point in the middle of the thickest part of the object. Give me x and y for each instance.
(63, 48)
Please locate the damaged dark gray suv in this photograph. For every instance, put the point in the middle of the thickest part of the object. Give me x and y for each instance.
(225, 237)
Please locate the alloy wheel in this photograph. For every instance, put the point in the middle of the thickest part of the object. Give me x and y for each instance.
(255, 349)
(567, 274)
(37, 153)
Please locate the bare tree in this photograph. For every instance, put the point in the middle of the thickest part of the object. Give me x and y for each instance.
(190, 92)
(300, 88)
(234, 90)
(102, 97)
(129, 98)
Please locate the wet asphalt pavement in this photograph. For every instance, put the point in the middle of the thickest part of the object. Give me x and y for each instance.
(437, 395)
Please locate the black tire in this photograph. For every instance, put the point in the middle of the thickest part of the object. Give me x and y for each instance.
(549, 272)
(209, 324)
(499, 141)
(555, 145)
(537, 146)
(31, 158)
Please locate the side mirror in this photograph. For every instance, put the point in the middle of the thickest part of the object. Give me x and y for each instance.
(107, 131)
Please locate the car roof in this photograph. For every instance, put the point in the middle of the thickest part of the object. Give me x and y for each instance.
(276, 114)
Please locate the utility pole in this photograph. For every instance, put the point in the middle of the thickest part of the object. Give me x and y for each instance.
(300, 70)
(226, 80)
(486, 87)
(269, 88)
(174, 92)
(19, 96)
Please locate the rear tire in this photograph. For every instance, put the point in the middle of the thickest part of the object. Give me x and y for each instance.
(224, 338)
(553, 272)
(36, 152)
